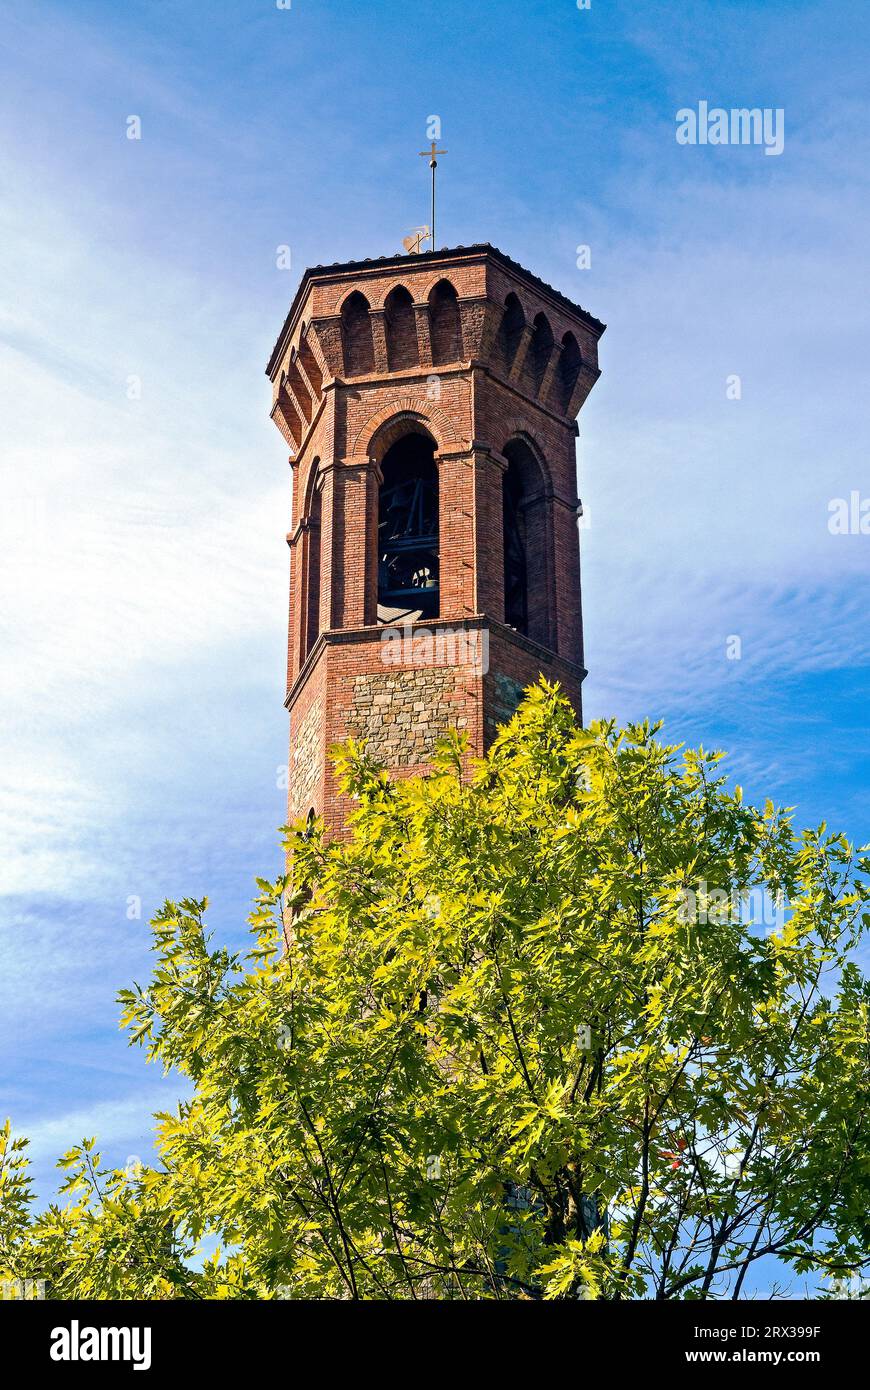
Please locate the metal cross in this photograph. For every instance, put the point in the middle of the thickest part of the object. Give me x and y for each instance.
(432, 156)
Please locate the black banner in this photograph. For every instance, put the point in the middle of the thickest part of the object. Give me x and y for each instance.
(172, 1339)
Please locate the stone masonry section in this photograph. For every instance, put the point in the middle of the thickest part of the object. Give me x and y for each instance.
(402, 716)
(488, 366)
(306, 761)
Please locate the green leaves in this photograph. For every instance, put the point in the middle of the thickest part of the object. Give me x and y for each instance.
(538, 1033)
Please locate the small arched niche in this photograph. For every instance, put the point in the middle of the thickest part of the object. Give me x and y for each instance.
(408, 531)
(356, 336)
(444, 325)
(513, 322)
(541, 351)
(570, 362)
(401, 330)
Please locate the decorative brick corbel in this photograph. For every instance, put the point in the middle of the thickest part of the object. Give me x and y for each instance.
(548, 380)
(378, 321)
(326, 332)
(521, 354)
(424, 337)
(585, 381)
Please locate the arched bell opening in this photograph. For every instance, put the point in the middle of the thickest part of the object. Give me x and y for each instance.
(311, 561)
(516, 577)
(408, 531)
(527, 546)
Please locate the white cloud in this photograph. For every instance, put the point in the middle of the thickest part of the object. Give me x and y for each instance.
(115, 1123)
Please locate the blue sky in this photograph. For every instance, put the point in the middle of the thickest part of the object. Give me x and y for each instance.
(143, 563)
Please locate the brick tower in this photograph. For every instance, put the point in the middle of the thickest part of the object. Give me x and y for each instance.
(429, 404)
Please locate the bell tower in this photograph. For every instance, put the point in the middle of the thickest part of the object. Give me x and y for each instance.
(429, 405)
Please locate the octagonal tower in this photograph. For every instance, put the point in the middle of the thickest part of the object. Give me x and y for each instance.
(429, 403)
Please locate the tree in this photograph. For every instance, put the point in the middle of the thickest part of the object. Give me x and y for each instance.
(527, 1039)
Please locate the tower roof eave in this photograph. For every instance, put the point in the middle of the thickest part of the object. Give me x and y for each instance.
(484, 248)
